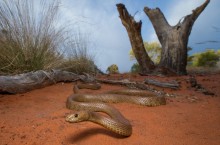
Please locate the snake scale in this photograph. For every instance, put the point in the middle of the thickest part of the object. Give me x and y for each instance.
(88, 106)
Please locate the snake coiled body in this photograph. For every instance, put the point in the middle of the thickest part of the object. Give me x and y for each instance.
(88, 105)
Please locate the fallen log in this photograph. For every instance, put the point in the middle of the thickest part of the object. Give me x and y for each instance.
(198, 87)
(172, 85)
(131, 84)
(33, 80)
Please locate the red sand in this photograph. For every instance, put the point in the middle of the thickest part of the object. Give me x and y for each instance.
(38, 118)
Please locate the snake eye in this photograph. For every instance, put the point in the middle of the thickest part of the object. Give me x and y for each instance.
(76, 115)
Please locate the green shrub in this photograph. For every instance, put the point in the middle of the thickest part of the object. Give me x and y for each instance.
(153, 49)
(112, 69)
(209, 58)
(135, 68)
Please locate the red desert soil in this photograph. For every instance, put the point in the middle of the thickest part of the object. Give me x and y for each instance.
(38, 117)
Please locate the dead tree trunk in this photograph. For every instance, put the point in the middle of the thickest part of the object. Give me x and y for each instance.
(134, 32)
(33, 80)
(174, 39)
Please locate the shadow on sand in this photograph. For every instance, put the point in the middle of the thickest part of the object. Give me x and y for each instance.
(92, 132)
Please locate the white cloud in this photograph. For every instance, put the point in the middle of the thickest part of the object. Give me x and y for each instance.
(179, 9)
(100, 18)
(202, 29)
(110, 37)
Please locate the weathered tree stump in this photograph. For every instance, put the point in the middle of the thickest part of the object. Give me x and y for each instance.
(33, 80)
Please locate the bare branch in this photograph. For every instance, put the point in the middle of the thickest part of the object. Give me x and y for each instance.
(134, 32)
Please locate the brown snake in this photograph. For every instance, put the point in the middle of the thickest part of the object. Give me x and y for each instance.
(88, 105)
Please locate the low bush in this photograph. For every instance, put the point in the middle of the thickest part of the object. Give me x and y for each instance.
(135, 68)
(209, 58)
(112, 69)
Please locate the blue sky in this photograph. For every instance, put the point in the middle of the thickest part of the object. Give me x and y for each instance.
(109, 41)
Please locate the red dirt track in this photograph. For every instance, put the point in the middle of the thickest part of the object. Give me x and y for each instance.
(38, 117)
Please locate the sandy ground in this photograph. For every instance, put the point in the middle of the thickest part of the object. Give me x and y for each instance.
(38, 117)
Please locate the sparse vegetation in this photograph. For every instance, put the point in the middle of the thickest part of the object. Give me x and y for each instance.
(209, 58)
(78, 59)
(153, 49)
(31, 39)
(205, 62)
(112, 69)
(135, 68)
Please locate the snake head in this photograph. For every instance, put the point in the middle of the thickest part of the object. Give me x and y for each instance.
(77, 117)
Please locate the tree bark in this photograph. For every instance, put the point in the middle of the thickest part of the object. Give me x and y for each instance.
(174, 39)
(34, 80)
(171, 85)
(132, 85)
(134, 32)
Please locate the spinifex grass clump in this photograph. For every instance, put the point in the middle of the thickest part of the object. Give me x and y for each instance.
(78, 59)
(79, 65)
(29, 38)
